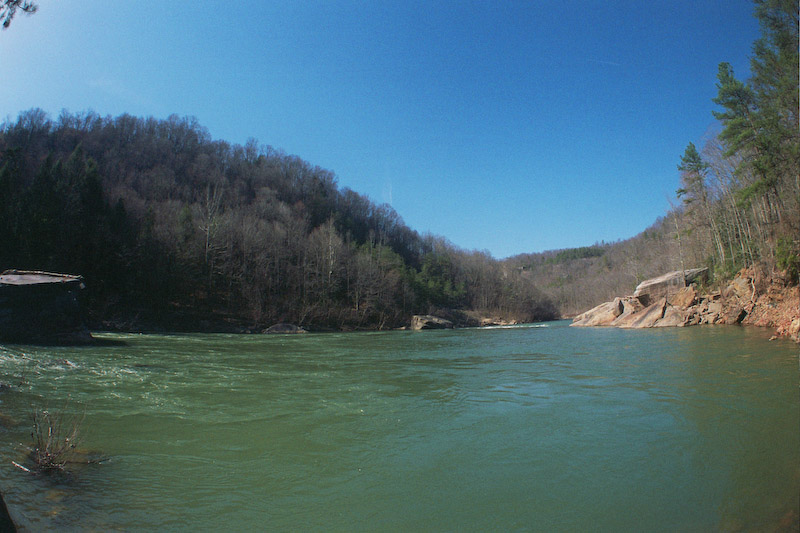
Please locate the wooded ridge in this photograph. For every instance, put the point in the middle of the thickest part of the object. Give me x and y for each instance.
(171, 229)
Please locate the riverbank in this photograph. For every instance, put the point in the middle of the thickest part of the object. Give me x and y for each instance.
(774, 302)
(756, 296)
(182, 319)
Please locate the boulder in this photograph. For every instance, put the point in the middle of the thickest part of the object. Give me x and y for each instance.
(460, 319)
(711, 313)
(693, 318)
(602, 315)
(653, 289)
(715, 307)
(283, 328)
(794, 330)
(630, 307)
(41, 308)
(648, 317)
(429, 322)
(739, 287)
(735, 315)
(673, 317)
(629, 312)
(684, 298)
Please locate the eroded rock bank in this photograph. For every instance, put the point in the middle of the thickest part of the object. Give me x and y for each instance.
(755, 297)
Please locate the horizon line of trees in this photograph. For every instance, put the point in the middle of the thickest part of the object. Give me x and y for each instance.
(157, 216)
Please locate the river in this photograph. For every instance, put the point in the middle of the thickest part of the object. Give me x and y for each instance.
(543, 427)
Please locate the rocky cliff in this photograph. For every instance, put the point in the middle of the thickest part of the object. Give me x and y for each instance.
(755, 297)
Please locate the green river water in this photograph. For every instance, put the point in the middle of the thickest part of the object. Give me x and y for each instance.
(539, 428)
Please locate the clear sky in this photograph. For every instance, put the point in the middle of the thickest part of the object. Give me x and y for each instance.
(506, 126)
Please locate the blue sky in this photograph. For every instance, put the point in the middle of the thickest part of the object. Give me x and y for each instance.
(511, 127)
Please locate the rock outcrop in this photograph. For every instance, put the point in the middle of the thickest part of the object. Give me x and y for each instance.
(753, 297)
(41, 308)
(429, 322)
(651, 290)
(629, 312)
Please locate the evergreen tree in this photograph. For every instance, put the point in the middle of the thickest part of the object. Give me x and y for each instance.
(693, 170)
(760, 118)
(8, 8)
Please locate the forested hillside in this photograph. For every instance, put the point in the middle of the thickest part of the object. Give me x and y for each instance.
(170, 227)
(739, 199)
(580, 278)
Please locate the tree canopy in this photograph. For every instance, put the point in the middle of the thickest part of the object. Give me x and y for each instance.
(162, 219)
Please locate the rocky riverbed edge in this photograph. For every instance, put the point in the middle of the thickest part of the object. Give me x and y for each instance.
(755, 296)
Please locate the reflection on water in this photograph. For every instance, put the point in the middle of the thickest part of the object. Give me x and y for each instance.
(535, 428)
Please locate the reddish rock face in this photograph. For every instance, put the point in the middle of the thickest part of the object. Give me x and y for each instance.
(649, 316)
(631, 308)
(674, 317)
(753, 297)
(684, 298)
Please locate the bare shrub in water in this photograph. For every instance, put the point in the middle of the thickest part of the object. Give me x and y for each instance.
(55, 436)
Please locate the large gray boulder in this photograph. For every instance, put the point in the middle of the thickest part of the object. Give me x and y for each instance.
(665, 286)
(429, 322)
(41, 308)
